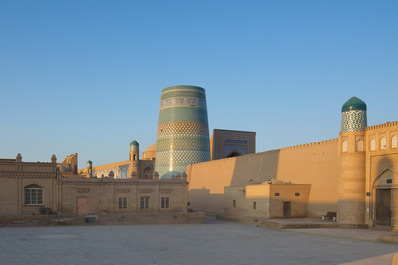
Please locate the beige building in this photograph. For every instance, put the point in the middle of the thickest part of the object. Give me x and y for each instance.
(273, 199)
(41, 188)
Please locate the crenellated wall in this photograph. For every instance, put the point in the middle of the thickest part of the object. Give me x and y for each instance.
(313, 163)
(381, 169)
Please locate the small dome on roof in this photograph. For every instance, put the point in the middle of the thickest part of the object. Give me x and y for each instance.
(89, 162)
(354, 103)
(151, 148)
(135, 143)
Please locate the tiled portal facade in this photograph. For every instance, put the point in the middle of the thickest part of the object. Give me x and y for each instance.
(183, 132)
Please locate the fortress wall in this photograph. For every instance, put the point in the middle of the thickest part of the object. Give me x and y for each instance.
(314, 163)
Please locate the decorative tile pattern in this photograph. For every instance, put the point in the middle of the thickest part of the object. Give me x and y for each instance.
(134, 148)
(228, 141)
(182, 142)
(185, 157)
(176, 102)
(353, 121)
(182, 128)
(183, 131)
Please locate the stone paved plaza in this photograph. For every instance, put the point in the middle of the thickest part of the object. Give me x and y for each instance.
(216, 242)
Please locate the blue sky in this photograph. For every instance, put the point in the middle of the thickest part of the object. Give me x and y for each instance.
(86, 76)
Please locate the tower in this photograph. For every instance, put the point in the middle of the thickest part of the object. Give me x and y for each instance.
(183, 131)
(134, 167)
(352, 179)
(89, 169)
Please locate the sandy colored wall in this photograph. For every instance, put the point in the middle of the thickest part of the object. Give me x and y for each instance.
(15, 176)
(268, 200)
(244, 198)
(9, 198)
(287, 193)
(315, 164)
(381, 165)
(103, 195)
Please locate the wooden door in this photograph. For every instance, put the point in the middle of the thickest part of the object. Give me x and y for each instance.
(286, 209)
(383, 207)
(82, 205)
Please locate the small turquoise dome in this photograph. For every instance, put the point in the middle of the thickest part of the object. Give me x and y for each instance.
(89, 162)
(354, 103)
(135, 143)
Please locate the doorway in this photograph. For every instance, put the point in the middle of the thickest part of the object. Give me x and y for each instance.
(82, 205)
(286, 209)
(383, 207)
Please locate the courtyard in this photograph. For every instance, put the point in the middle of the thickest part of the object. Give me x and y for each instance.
(216, 242)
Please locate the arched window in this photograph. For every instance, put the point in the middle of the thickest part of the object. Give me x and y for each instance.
(33, 195)
(124, 173)
(372, 145)
(394, 142)
(383, 143)
(148, 173)
(360, 145)
(345, 146)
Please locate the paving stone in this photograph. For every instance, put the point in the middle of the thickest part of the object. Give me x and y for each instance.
(214, 243)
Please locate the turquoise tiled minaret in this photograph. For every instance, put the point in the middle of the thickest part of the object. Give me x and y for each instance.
(353, 116)
(183, 130)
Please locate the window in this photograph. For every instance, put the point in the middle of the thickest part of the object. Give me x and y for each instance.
(234, 203)
(360, 146)
(33, 195)
(345, 146)
(394, 142)
(372, 145)
(383, 143)
(148, 173)
(164, 202)
(144, 202)
(122, 202)
(254, 205)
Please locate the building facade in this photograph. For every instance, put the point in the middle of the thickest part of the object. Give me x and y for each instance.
(267, 200)
(41, 188)
(228, 143)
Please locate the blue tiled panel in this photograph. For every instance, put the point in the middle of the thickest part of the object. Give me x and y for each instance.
(242, 143)
(353, 121)
(183, 131)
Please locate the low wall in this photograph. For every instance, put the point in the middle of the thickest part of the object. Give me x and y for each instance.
(147, 218)
(103, 219)
(40, 220)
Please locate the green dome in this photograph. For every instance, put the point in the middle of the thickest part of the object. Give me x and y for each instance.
(353, 103)
(135, 143)
(89, 162)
